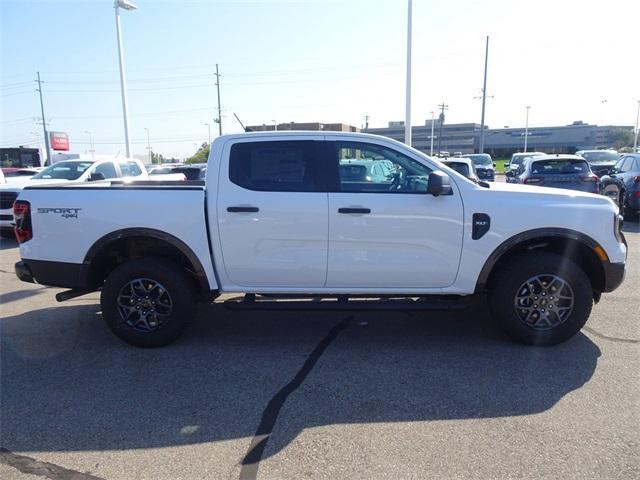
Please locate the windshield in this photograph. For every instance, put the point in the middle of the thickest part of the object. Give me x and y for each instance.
(601, 157)
(559, 166)
(64, 171)
(480, 158)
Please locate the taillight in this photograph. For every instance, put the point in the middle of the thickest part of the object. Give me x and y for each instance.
(533, 180)
(589, 178)
(22, 217)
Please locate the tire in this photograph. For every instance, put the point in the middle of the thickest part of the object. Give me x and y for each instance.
(148, 302)
(522, 282)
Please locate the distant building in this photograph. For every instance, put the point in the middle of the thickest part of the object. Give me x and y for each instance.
(502, 142)
(314, 126)
(454, 137)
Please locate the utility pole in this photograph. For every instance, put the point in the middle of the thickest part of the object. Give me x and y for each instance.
(149, 146)
(366, 123)
(407, 112)
(219, 119)
(526, 129)
(635, 139)
(443, 106)
(432, 126)
(44, 121)
(484, 95)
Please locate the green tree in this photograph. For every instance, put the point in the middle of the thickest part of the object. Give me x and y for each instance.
(621, 137)
(200, 156)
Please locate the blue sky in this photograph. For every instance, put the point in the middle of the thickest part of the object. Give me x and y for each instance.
(321, 60)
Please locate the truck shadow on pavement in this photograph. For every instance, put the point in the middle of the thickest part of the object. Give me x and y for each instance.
(69, 385)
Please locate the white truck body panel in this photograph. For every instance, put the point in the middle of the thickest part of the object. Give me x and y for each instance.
(298, 243)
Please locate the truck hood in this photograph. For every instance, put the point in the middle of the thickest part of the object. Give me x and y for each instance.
(555, 195)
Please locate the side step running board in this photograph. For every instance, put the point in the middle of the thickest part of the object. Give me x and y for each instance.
(252, 301)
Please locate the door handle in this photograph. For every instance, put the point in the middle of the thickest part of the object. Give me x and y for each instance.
(242, 209)
(354, 210)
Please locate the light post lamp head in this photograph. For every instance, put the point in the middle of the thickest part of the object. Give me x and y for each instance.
(124, 4)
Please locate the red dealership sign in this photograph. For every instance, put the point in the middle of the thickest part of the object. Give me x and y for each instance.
(59, 141)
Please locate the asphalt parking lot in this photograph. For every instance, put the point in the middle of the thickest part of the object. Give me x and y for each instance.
(316, 395)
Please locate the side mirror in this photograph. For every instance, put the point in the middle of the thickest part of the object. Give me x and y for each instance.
(494, 164)
(438, 184)
(96, 177)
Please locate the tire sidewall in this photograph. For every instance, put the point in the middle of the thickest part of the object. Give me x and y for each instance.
(177, 284)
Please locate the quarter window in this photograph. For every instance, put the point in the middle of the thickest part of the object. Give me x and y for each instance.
(370, 168)
(279, 166)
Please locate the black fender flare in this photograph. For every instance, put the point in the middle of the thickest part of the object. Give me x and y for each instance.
(105, 240)
(504, 247)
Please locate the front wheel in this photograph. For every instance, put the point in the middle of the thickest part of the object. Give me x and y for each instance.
(148, 302)
(541, 298)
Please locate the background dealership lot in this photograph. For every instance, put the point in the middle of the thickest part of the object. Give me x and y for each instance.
(394, 395)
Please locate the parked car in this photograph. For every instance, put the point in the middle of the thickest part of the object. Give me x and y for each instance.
(485, 168)
(558, 171)
(13, 172)
(464, 166)
(601, 161)
(622, 185)
(63, 172)
(275, 220)
(194, 171)
(366, 170)
(516, 160)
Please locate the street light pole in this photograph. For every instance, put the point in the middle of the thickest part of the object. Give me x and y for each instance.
(407, 115)
(275, 125)
(433, 117)
(526, 129)
(484, 95)
(90, 143)
(635, 139)
(208, 133)
(118, 4)
(149, 146)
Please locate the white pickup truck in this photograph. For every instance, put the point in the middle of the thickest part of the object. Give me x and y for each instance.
(322, 220)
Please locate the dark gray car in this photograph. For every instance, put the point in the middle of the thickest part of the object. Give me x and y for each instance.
(558, 171)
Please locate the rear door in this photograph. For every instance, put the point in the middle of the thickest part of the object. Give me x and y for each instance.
(272, 211)
(386, 232)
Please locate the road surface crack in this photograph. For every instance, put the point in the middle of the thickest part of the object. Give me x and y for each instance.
(251, 461)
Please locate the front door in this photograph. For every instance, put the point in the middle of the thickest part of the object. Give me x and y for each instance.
(385, 232)
(272, 214)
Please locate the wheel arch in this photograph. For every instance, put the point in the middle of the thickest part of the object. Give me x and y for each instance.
(580, 248)
(115, 247)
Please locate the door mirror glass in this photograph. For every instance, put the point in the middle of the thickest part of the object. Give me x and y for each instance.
(96, 176)
(439, 184)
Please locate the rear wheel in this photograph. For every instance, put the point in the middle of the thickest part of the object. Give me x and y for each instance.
(148, 302)
(541, 298)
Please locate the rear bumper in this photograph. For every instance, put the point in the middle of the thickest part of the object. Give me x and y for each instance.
(53, 274)
(613, 275)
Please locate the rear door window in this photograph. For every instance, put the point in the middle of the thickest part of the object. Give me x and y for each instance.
(107, 169)
(130, 169)
(278, 166)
